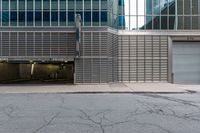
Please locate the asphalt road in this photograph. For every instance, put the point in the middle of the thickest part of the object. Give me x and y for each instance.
(100, 113)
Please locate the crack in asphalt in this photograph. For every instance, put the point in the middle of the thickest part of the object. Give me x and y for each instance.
(171, 99)
(101, 118)
(47, 123)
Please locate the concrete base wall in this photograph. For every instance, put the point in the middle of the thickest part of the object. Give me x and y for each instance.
(40, 71)
(47, 71)
(25, 71)
(9, 72)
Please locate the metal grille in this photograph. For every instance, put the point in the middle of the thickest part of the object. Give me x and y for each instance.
(37, 45)
(97, 58)
(143, 58)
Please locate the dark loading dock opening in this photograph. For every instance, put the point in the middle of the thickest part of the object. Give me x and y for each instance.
(37, 72)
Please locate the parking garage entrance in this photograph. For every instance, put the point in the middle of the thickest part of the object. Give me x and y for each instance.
(37, 72)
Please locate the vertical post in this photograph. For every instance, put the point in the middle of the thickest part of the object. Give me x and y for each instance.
(78, 35)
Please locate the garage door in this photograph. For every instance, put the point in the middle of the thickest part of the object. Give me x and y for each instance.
(186, 62)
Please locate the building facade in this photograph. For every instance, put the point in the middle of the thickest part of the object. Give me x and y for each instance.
(120, 40)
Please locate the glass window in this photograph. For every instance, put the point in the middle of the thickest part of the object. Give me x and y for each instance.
(195, 6)
(187, 22)
(54, 18)
(87, 4)
(71, 18)
(141, 7)
(187, 7)
(5, 18)
(172, 6)
(13, 18)
(149, 7)
(95, 18)
(38, 4)
(62, 18)
(13, 4)
(156, 22)
(164, 22)
(21, 4)
(46, 4)
(133, 7)
(62, 4)
(164, 6)
(122, 22)
(0, 18)
(104, 18)
(29, 4)
(149, 23)
(180, 7)
(195, 23)
(124, 10)
(141, 22)
(156, 7)
(104, 5)
(21, 17)
(87, 18)
(95, 4)
(54, 5)
(46, 18)
(79, 4)
(180, 23)
(29, 18)
(71, 4)
(128, 22)
(38, 18)
(172, 22)
(5, 5)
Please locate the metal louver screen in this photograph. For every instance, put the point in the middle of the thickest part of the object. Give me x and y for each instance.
(143, 58)
(97, 58)
(28, 45)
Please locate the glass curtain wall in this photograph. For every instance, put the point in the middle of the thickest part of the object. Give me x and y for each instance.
(119, 14)
(148, 14)
(54, 13)
(188, 14)
(159, 15)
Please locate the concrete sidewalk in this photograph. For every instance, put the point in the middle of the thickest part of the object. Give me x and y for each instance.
(101, 88)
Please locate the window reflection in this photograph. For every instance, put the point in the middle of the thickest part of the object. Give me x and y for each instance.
(146, 14)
